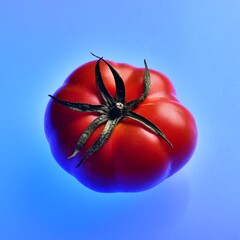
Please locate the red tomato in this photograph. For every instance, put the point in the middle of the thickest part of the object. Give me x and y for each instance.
(134, 144)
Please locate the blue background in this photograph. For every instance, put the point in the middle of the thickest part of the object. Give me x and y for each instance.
(194, 42)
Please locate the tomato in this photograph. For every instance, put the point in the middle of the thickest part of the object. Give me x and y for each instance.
(117, 128)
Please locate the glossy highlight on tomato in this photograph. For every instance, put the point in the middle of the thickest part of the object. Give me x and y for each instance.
(118, 128)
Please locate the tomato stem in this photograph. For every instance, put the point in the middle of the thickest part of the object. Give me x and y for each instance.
(111, 112)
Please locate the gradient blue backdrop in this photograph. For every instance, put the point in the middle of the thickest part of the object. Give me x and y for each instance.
(194, 42)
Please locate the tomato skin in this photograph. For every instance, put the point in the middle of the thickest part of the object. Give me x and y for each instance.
(134, 158)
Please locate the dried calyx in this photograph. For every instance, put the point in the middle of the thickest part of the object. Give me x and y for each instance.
(111, 112)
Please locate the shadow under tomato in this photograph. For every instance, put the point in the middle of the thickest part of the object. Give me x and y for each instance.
(59, 206)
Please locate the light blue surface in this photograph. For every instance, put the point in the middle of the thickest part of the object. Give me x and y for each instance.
(195, 43)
